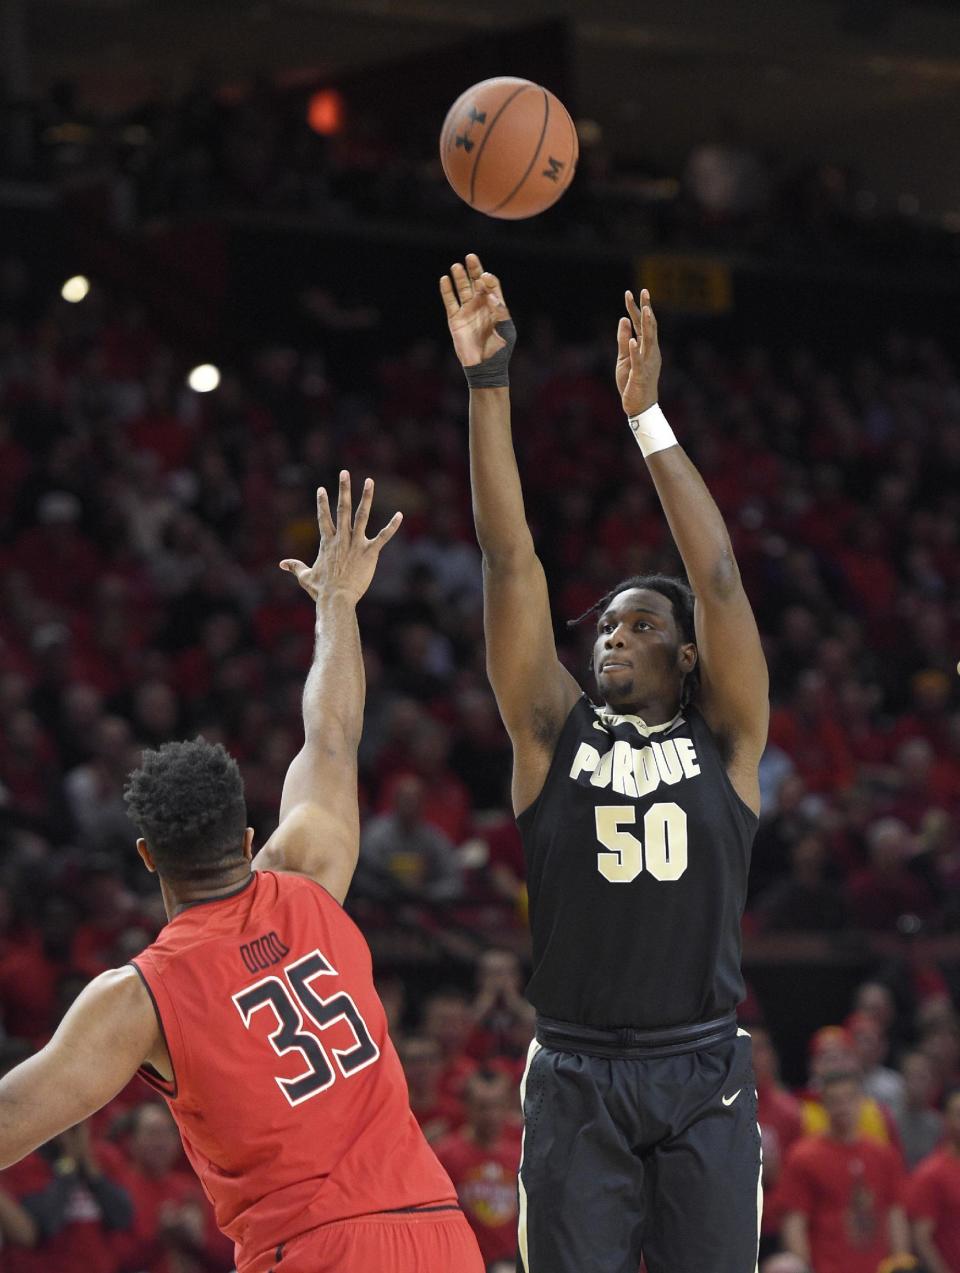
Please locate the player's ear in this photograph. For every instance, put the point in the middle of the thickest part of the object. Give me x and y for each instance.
(248, 844)
(146, 856)
(688, 657)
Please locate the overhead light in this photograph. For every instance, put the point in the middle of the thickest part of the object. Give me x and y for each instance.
(75, 289)
(204, 379)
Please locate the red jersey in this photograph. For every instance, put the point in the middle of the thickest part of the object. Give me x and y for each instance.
(486, 1182)
(288, 1093)
(846, 1192)
(934, 1194)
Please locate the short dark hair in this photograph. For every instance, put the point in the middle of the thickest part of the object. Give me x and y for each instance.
(186, 800)
(680, 595)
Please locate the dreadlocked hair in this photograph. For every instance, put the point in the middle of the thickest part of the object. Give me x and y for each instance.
(680, 595)
(187, 802)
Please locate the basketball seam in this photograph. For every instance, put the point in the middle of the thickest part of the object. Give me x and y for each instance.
(446, 138)
(575, 151)
(522, 88)
(536, 154)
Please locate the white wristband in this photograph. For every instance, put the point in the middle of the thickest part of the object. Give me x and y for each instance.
(651, 430)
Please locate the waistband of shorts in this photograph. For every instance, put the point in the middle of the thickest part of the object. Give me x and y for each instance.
(565, 1036)
(428, 1209)
(402, 1215)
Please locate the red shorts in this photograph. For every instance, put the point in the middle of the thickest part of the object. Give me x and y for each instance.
(390, 1242)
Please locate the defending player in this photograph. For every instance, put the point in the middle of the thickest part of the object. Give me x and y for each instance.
(254, 1012)
(637, 820)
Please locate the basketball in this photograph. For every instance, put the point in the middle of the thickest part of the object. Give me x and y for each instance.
(508, 148)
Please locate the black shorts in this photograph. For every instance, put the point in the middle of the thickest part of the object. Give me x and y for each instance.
(639, 1144)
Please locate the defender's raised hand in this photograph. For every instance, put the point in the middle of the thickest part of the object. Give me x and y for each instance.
(346, 559)
(474, 303)
(638, 355)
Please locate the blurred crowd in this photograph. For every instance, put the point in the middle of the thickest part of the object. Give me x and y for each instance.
(861, 1166)
(141, 525)
(324, 153)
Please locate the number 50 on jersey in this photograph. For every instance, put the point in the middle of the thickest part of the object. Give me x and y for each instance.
(662, 851)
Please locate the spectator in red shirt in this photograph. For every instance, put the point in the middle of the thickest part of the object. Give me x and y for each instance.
(31, 973)
(865, 562)
(446, 800)
(158, 428)
(933, 1199)
(448, 1019)
(832, 1052)
(76, 1205)
(858, 706)
(876, 1000)
(810, 735)
(781, 1124)
(918, 790)
(29, 775)
(483, 1160)
(422, 1061)
(503, 872)
(58, 536)
(173, 1229)
(886, 889)
(499, 1007)
(940, 1044)
(928, 711)
(841, 1192)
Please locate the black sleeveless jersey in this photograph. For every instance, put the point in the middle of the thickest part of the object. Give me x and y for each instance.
(637, 852)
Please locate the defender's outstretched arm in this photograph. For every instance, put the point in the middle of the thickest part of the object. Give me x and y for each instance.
(106, 1035)
(319, 831)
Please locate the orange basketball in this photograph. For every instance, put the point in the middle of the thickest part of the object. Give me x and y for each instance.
(508, 148)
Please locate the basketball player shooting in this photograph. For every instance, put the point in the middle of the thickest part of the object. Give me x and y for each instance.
(254, 1013)
(637, 818)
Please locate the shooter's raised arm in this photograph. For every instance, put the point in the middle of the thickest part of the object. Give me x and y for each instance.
(733, 671)
(534, 691)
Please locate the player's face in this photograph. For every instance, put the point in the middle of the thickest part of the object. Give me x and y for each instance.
(919, 1078)
(842, 1103)
(487, 1108)
(155, 1143)
(638, 653)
